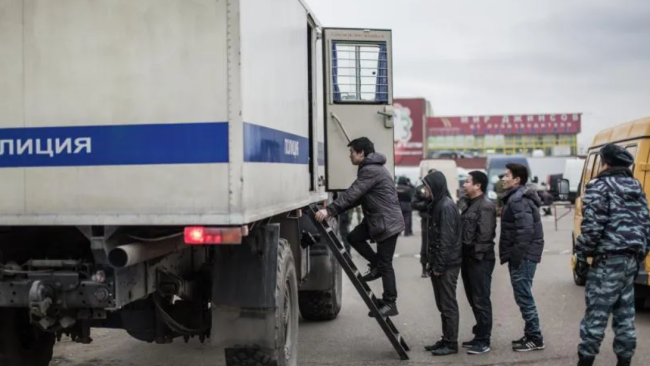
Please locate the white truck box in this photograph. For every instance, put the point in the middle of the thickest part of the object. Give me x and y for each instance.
(155, 112)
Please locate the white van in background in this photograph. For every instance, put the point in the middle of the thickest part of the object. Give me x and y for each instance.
(573, 173)
(449, 168)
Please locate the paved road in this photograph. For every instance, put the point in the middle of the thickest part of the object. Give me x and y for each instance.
(355, 339)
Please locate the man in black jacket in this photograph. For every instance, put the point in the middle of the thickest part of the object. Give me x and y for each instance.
(445, 257)
(382, 221)
(479, 223)
(521, 246)
(405, 196)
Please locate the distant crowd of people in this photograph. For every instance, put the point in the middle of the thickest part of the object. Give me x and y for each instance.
(458, 240)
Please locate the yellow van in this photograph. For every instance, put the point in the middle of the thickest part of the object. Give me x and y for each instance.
(635, 137)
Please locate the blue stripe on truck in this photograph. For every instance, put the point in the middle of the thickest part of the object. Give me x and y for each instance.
(146, 144)
(267, 145)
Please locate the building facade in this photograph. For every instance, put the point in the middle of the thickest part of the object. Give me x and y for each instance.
(538, 134)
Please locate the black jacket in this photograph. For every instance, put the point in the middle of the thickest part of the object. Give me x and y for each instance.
(404, 195)
(445, 248)
(420, 202)
(522, 234)
(374, 189)
(479, 224)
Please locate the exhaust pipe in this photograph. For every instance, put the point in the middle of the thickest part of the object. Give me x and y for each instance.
(130, 254)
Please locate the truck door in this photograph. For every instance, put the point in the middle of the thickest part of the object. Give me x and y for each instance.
(358, 98)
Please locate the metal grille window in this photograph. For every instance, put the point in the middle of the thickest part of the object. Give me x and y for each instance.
(359, 73)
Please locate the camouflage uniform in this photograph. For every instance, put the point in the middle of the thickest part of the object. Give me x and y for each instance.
(615, 231)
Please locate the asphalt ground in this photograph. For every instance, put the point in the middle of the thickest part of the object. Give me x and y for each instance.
(355, 339)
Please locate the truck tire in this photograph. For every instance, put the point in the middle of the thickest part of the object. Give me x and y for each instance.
(324, 305)
(285, 321)
(578, 280)
(22, 344)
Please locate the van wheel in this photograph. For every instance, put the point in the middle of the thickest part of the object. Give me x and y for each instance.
(22, 343)
(579, 280)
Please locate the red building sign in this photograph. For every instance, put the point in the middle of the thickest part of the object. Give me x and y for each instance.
(409, 131)
(532, 124)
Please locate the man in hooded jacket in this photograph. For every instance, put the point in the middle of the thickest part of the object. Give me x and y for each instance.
(445, 258)
(615, 233)
(374, 189)
(521, 245)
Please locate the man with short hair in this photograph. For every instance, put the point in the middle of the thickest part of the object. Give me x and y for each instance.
(521, 245)
(614, 232)
(479, 223)
(382, 221)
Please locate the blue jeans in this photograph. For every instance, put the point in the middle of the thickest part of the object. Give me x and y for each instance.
(522, 283)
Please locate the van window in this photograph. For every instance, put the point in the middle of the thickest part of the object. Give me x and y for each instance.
(586, 176)
(632, 149)
(597, 167)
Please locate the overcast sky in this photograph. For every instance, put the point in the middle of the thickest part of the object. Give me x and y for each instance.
(514, 56)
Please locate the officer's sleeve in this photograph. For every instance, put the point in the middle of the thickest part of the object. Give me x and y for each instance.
(646, 218)
(595, 214)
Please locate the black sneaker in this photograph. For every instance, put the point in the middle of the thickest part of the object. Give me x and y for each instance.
(446, 349)
(372, 274)
(386, 309)
(519, 341)
(478, 348)
(469, 344)
(529, 345)
(435, 346)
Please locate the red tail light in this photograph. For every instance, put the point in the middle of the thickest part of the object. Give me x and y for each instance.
(199, 235)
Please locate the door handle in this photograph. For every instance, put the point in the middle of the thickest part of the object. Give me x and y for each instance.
(341, 126)
(388, 119)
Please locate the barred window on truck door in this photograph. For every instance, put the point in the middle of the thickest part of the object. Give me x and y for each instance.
(359, 73)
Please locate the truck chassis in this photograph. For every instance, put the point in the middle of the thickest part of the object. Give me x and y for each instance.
(245, 297)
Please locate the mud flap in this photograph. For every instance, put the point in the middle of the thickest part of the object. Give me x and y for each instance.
(255, 301)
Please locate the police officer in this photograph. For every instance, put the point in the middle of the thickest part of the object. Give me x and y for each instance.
(615, 232)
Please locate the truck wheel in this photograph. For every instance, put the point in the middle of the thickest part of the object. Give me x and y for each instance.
(20, 342)
(285, 321)
(324, 305)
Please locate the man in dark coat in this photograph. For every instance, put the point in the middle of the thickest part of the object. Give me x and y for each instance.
(479, 223)
(405, 196)
(382, 221)
(445, 257)
(421, 204)
(614, 232)
(521, 245)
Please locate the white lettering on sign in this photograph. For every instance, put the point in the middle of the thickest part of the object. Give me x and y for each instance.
(291, 147)
(49, 146)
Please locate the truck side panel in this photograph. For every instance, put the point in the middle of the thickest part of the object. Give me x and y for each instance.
(274, 72)
(122, 103)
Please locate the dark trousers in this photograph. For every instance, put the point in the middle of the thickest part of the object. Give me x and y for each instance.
(382, 259)
(424, 245)
(477, 280)
(444, 290)
(408, 222)
(522, 284)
